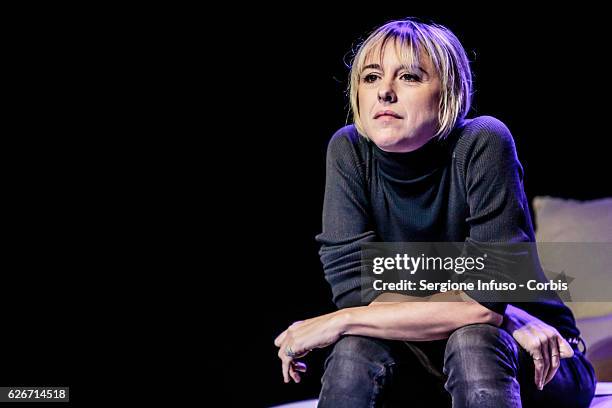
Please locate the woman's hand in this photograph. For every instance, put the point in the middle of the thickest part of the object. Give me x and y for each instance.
(542, 342)
(303, 336)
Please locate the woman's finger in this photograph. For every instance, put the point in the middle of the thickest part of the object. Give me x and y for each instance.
(285, 370)
(539, 361)
(300, 354)
(555, 358)
(545, 339)
(565, 350)
(285, 364)
(294, 374)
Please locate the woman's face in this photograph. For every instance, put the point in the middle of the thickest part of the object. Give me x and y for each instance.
(398, 105)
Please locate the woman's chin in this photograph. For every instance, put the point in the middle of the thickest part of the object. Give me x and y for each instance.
(392, 142)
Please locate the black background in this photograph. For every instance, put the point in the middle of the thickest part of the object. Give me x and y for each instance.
(543, 76)
(114, 112)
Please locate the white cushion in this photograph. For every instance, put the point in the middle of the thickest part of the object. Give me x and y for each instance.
(564, 220)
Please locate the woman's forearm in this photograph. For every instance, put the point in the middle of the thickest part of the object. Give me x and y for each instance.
(416, 321)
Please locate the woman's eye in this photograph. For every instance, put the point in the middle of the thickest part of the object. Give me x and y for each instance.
(370, 78)
(409, 77)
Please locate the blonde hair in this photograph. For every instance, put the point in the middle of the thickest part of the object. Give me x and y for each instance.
(414, 39)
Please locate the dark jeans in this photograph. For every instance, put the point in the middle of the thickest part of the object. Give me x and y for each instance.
(477, 366)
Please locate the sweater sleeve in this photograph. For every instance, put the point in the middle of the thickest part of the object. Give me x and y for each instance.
(346, 223)
(498, 207)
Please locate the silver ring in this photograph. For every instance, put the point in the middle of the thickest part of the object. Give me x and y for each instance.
(289, 352)
(536, 359)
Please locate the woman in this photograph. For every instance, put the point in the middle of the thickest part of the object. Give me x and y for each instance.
(413, 168)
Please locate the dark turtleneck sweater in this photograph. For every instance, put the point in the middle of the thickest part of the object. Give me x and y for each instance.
(466, 188)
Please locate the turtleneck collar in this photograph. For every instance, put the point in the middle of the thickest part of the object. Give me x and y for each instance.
(415, 164)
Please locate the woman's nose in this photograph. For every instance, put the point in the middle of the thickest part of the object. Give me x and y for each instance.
(386, 94)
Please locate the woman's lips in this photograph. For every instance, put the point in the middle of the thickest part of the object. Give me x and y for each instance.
(387, 114)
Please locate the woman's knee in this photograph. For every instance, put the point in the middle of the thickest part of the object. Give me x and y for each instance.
(358, 356)
(480, 336)
(481, 364)
(365, 348)
(481, 351)
(481, 345)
